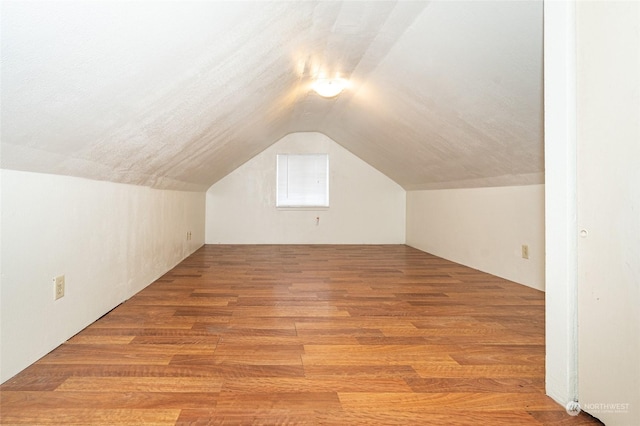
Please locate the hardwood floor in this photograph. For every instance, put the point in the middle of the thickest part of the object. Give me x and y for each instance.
(343, 335)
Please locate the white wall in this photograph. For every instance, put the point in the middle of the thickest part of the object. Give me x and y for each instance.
(608, 209)
(560, 202)
(366, 207)
(109, 240)
(483, 228)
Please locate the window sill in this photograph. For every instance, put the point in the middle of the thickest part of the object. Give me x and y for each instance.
(310, 208)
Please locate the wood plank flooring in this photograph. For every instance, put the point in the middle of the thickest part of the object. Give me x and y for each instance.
(344, 335)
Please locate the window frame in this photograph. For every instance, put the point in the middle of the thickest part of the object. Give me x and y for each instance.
(301, 206)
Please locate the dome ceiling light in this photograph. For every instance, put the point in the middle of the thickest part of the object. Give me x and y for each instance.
(329, 87)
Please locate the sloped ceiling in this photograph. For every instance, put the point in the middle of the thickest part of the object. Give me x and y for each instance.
(178, 94)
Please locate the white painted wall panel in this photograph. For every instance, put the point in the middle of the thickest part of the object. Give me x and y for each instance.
(608, 148)
(366, 207)
(109, 240)
(561, 369)
(483, 228)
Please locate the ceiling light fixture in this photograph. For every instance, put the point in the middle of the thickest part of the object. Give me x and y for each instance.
(329, 87)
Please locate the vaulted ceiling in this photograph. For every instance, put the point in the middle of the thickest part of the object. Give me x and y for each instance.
(178, 94)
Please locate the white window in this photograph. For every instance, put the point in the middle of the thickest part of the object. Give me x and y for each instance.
(303, 180)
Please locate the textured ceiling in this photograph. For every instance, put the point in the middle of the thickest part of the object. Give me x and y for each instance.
(178, 94)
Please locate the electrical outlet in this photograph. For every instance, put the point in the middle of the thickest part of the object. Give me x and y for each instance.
(58, 283)
(525, 251)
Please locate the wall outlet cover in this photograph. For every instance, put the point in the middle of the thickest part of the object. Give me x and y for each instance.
(59, 286)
